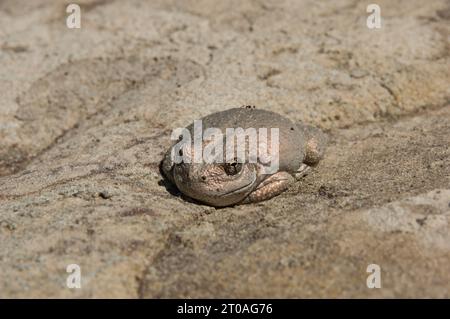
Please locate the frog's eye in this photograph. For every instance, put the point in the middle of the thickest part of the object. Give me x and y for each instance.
(232, 168)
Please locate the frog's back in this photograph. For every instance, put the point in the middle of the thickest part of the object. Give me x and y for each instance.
(291, 137)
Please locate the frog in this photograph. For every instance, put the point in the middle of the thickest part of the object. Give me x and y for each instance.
(234, 182)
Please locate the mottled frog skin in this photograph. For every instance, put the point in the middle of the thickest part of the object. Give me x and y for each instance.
(225, 184)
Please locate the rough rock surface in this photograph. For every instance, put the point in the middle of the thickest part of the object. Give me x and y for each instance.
(86, 114)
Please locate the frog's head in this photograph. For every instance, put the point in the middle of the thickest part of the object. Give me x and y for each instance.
(216, 184)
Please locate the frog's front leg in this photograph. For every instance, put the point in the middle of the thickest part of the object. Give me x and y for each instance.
(270, 187)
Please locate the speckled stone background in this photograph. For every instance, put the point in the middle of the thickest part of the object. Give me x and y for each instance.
(86, 114)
